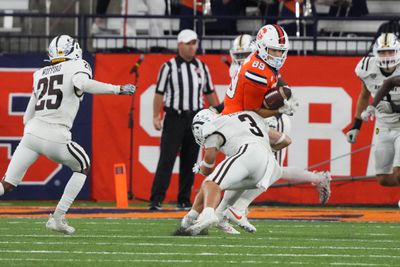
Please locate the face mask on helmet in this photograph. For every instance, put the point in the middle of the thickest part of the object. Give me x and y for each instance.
(387, 50)
(272, 45)
(201, 119)
(242, 47)
(64, 47)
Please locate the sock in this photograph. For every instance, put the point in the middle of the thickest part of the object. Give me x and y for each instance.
(71, 190)
(193, 214)
(208, 210)
(298, 175)
(246, 198)
(1, 189)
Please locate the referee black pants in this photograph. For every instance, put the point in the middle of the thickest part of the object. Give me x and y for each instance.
(176, 137)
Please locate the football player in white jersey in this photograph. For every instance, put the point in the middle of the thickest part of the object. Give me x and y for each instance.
(242, 47)
(250, 163)
(57, 92)
(237, 212)
(380, 76)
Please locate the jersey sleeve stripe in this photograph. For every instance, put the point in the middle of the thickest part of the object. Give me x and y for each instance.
(363, 62)
(366, 66)
(255, 78)
(162, 79)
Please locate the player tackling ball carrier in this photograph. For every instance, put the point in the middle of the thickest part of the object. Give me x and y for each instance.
(57, 92)
(233, 207)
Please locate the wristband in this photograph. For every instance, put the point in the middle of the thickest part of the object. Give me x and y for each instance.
(207, 165)
(357, 124)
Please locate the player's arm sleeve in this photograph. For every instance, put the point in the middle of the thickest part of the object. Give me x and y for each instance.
(30, 109)
(387, 85)
(83, 82)
(163, 78)
(215, 140)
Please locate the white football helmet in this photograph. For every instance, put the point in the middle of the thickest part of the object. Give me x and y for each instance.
(387, 42)
(201, 119)
(64, 47)
(242, 47)
(272, 37)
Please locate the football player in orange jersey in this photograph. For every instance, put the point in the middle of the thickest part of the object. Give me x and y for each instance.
(259, 73)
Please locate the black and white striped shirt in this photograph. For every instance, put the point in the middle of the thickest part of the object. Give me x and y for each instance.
(184, 83)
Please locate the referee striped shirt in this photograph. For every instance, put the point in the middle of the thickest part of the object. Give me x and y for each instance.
(183, 84)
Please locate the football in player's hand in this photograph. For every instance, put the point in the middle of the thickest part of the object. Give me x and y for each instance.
(276, 96)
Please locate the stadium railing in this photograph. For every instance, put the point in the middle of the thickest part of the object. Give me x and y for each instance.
(355, 34)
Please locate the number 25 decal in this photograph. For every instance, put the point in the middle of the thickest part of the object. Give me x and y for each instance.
(47, 88)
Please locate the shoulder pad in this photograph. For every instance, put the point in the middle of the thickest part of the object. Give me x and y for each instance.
(83, 66)
(365, 66)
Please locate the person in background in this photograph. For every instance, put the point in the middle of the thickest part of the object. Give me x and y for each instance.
(156, 27)
(181, 84)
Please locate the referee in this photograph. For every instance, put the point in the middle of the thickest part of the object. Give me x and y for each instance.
(181, 83)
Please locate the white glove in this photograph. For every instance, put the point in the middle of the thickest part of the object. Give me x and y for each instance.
(352, 135)
(384, 107)
(127, 89)
(196, 167)
(368, 113)
(289, 107)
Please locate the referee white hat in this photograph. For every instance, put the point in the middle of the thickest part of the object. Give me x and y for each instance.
(185, 36)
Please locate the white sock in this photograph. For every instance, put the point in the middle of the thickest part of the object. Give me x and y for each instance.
(246, 198)
(71, 190)
(193, 214)
(208, 211)
(1, 189)
(299, 175)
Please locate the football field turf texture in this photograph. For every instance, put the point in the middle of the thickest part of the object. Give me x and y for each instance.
(134, 237)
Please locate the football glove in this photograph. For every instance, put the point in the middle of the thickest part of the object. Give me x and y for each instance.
(384, 107)
(289, 107)
(127, 89)
(196, 167)
(368, 113)
(352, 135)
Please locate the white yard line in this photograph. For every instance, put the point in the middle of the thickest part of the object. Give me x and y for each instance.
(197, 245)
(185, 261)
(204, 237)
(325, 255)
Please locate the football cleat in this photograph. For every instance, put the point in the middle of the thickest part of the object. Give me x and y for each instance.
(226, 227)
(59, 225)
(240, 219)
(324, 187)
(187, 221)
(204, 222)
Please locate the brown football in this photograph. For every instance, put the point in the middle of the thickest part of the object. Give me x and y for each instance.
(275, 97)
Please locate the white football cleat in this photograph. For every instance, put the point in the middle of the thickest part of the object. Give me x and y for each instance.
(59, 225)
(187, 221)
(226, 227)
(240, 219)
(324, 187)
(204, 221)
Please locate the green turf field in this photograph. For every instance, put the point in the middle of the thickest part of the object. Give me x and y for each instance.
(148, 242)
